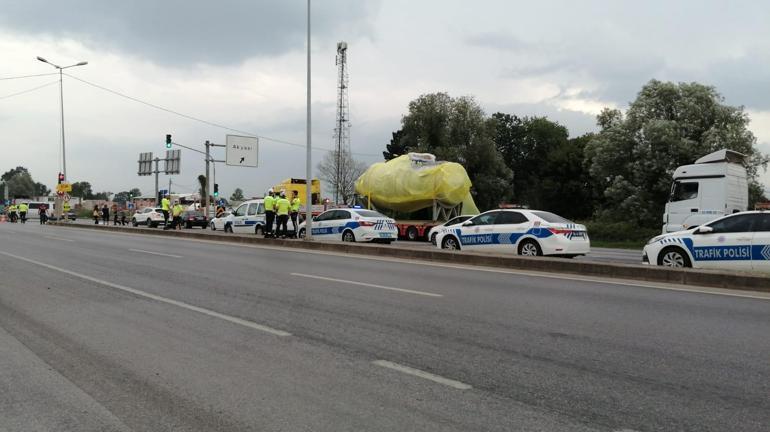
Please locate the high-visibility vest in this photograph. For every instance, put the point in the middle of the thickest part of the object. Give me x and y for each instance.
(23, 208)
(164, 204)
(269, 203)
(295, 203)
(11, 208)
(282, 206)
(178, 209)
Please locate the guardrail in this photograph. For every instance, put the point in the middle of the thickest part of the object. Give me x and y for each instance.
(703, 278)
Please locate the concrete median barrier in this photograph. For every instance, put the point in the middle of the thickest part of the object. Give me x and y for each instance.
(703, 278)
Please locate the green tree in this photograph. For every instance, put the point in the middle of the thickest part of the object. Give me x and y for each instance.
(396, 147)
(203, 186)
(82, 190)
(632, 159)
(21, 185)
(457, 130)
(237, 195)
(135, 192)
(41, 189)
(13, 172)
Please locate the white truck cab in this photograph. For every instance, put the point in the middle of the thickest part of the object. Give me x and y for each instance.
(715, 185)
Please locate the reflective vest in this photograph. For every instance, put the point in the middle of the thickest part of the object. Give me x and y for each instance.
(269, 203)
(295, 203)
(12, 208)
(23, 208)
(282, 206)
(178, 210)
(164, 204)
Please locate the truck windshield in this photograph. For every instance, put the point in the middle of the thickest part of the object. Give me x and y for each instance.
(682, 191)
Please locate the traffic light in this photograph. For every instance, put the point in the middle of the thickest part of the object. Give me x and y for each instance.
(216, 190)
(61, 178)
(168, 141)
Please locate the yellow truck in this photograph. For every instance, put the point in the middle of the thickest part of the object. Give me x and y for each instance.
(291, 185)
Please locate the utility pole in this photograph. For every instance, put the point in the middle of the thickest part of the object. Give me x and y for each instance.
(308, 161)
(157, 171)
(208, 181)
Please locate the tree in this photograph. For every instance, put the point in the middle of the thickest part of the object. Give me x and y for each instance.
(457, 130)
(102, 196)
(237, 195)
(21, 185)
(13, 172)
(82, 189)
(396, 147)
(41, 189)
(341, 173)
(632, 159)
(203, 186)
(135, 192)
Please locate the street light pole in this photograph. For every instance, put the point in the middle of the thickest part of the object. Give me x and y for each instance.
(61, 106)
(308, 161)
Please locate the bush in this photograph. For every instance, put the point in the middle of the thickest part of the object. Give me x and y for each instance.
(619, 232)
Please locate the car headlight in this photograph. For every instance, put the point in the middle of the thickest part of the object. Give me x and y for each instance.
(655, 239)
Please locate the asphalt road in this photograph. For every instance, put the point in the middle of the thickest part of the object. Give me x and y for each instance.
(115, 332)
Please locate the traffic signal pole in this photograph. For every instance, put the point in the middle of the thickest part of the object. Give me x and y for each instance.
(208, 159)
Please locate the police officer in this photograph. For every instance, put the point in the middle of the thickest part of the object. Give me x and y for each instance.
(165, 206)
(177, 213)
(12, 212)
(282, 207)
(295, 204)
(23, 209)
(269, 213)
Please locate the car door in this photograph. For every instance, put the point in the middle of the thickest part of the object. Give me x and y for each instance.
(509, 227)
(319, 225)
(760, 243)
(239, 219)
(337, 225)
(727, 246)
(478, 232)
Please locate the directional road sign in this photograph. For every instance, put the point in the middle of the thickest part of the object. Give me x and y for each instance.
(242, 150)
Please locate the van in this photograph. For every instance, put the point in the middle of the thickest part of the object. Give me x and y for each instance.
(249, 217)
(715, 185)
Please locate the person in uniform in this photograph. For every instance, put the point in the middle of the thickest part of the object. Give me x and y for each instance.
(23, 209)
(165, 205)
(269, 213)
(295, 205)
(282, 207)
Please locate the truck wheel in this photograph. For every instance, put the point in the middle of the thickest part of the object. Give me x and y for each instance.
(411, 233)
(348, 236)
(433, 238)
(450, 243)
(530, 248)
(673, 257)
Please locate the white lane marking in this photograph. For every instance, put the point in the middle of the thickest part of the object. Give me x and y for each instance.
(408, 291)
(567, 276)
(157, 298)
(155, 253)
(58, 238)
(422, 374)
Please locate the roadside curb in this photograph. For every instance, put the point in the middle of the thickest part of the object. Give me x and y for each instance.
(702, 278)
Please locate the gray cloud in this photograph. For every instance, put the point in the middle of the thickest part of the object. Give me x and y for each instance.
(180, 32)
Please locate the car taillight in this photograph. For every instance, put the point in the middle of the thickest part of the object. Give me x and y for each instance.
(366, 223)
(559, 230)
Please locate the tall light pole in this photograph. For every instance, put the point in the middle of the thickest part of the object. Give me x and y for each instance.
(308, 162)
(61, 98)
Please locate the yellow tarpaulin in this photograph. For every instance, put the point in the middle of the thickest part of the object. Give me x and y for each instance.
(411, 182)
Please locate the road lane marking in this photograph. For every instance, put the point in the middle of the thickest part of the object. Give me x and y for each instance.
(157, 298)
(58, 238)
(408, 291)
(417, 262)
(422, 374)
(155, 253)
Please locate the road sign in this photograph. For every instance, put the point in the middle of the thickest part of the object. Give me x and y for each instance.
(66, 197)
(173, 161)
(64, 187)
(145, 164)
(242, 150)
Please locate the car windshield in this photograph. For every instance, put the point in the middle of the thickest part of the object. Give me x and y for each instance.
(550, 217)
(370, 214)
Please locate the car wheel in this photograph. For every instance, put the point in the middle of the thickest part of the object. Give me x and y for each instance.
(450, 243)
(134, 223)
(188, 226)
(152, 224)
(301, 233)
(673, 257)
(213, 227)
(530, 248)
(411, 233)
(348, 236)
(228, 227)
(433, 239)
(258, 230)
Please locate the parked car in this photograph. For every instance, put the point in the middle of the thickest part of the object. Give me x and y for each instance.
(352, 225)
(149, 216)
(454, 221)
(194, 218)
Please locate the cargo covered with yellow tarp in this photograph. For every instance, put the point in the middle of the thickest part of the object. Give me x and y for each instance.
(413, 181)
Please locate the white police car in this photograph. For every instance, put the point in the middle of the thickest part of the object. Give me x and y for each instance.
(525, 232)
(454, 221)
(740, 241)
(352, 225)
(248, 217)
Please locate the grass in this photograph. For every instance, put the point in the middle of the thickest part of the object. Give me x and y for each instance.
(631, 245)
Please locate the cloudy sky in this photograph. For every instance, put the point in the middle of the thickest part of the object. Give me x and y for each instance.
(241, 64)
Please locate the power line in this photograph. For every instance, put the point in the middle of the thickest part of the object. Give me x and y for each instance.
(189, 117)
(27, 76)
(29, 90)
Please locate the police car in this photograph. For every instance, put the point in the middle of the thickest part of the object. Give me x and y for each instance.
(524, 232)
(352, 225)
(740, 241)
(454, 221)
(248, 217)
